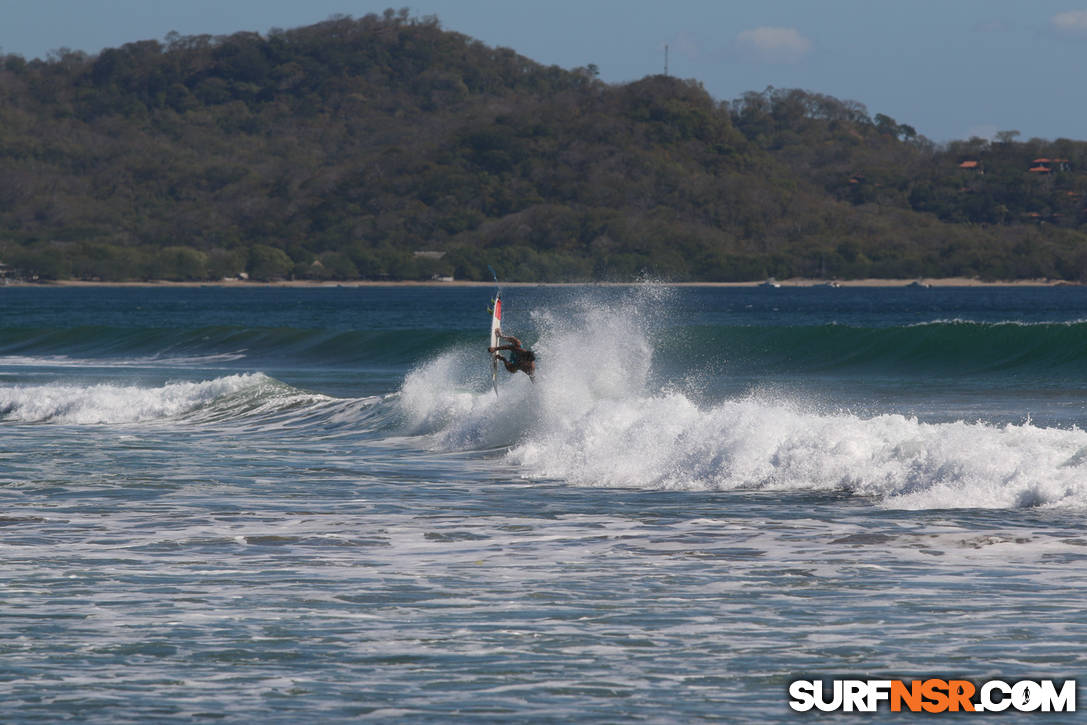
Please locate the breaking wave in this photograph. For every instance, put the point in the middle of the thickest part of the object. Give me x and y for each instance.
(598, 416)
(250, 399)
(617, 402)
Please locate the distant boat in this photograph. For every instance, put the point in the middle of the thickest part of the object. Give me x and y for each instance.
(773, 283)
(831, 283)
(918, 285)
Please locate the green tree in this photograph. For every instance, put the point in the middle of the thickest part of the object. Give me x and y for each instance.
(268, 263)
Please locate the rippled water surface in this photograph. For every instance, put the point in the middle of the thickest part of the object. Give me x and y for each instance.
(274, 504)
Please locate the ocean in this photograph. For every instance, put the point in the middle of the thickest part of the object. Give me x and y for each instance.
(273, 504)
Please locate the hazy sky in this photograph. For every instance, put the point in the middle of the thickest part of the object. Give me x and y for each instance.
(950, 68)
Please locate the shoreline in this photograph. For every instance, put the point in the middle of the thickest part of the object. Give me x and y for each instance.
(794, 282)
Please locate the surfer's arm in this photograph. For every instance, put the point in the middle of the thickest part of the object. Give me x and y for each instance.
(516, 342)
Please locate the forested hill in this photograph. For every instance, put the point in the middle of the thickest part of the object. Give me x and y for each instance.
(389, 148)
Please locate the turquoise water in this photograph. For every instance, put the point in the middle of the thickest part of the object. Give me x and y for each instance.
(273, 504)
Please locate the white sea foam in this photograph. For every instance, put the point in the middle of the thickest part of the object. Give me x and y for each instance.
(107, 403)
(999, 323)
(594, 418)
(64, 361)
(666, 441)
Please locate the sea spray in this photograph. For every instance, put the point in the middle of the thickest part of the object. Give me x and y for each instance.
(585, 351)
(599, 415)
(449, 403)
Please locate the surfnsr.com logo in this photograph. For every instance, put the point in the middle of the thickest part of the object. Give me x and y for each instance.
(933, 695)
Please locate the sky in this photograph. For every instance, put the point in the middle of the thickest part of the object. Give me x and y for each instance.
(952, 69)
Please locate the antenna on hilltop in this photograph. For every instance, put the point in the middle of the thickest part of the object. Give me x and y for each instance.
(666, 59)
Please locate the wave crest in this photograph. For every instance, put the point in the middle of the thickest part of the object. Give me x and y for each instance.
(252, 398)
(597, 417)
(668, 442)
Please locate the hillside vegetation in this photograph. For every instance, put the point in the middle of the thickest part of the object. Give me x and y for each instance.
(344, 149)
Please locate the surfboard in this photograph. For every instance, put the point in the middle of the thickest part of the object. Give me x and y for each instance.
(496, 326)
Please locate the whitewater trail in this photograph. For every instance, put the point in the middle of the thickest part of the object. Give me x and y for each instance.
(597, 418)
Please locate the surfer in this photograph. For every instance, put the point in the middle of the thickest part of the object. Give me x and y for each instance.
(521, 358)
